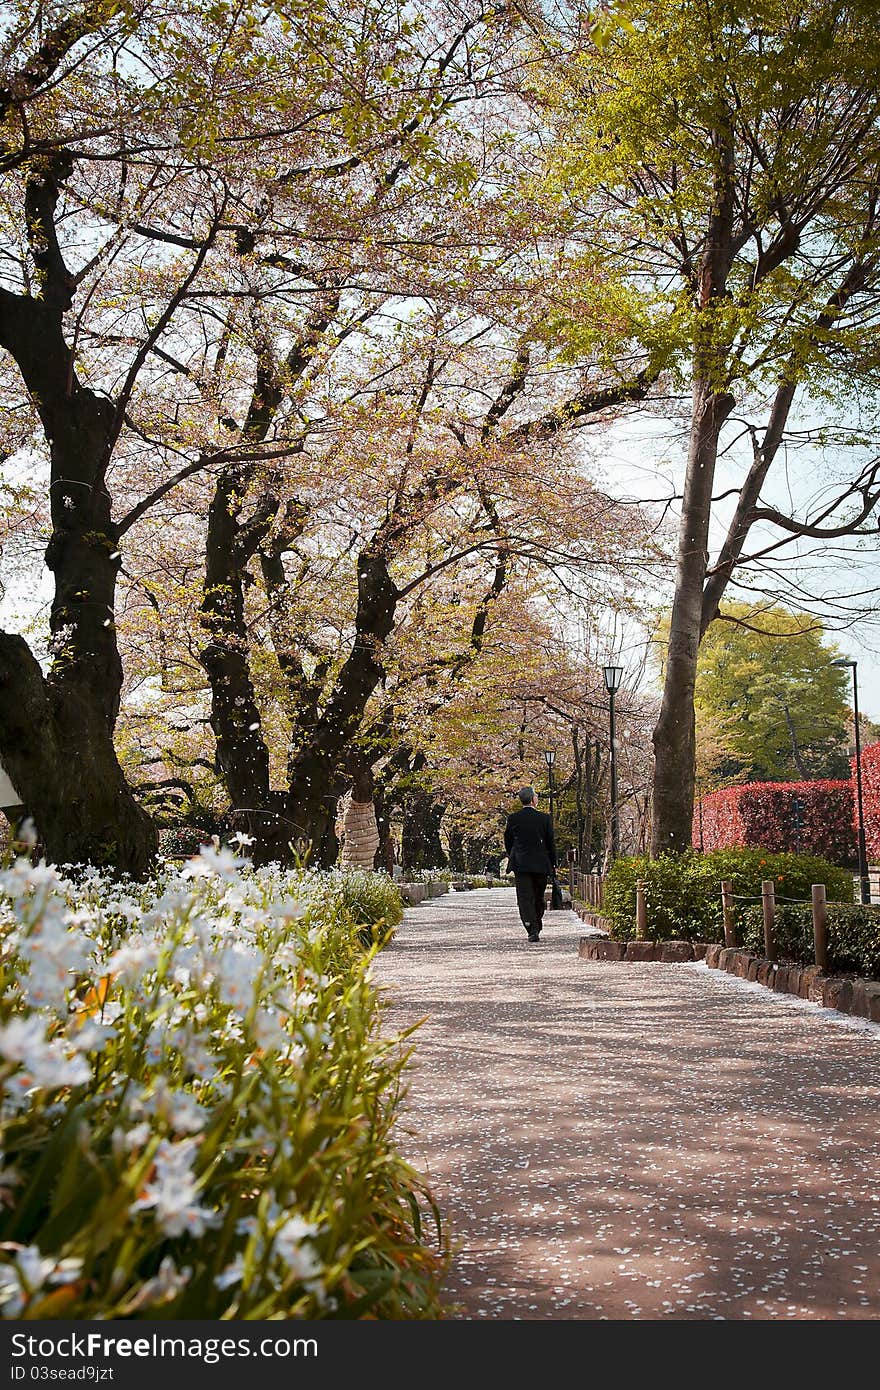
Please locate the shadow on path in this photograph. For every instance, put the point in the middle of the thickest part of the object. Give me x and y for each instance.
(623, 1141)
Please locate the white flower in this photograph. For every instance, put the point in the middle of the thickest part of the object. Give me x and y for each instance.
(291, 1247)
(21, 1037)
(232, 1274)
(66, 1271)
(27, 1274)
(52, 1069)
(268, 1031)
(137, 1136)
(133, 960)
(172, 1194)
(44, 1064)
(288, 909)
(235, 972)
(180, 1111)
(27, 833)
(212, 862)
(92, 1036)
(165, 1284)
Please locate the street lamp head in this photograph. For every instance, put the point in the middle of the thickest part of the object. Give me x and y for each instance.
(550, 756)
(613, 678)
(844, 661)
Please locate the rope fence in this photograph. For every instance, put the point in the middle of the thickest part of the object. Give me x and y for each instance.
(768, 899)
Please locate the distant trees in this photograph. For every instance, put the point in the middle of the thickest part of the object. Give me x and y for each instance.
(767, 689)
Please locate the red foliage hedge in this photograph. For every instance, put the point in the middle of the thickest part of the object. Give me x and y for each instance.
(763, 814)
(871, 798)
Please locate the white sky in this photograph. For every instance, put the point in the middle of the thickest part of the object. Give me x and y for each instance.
(644, 457)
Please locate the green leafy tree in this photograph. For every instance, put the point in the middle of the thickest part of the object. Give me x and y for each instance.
(766, 681)
(721, 160)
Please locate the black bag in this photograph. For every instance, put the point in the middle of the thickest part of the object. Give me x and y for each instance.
(556, 900)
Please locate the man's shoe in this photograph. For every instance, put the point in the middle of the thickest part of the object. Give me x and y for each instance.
(534, 936)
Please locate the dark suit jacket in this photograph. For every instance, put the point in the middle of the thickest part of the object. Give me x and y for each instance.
(528, 839)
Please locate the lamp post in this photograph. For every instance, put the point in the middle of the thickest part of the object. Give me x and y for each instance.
(864, 880)
(549, 759)
(613, 678)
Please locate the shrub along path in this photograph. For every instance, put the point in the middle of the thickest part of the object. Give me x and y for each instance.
(631, 1141)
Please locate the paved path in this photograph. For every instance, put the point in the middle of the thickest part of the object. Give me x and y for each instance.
(632, 1141)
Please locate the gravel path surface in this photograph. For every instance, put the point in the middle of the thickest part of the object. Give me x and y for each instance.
(631, 1141)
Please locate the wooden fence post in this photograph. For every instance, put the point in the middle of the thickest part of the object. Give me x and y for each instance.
(820, 927)
(641, 911)
(727, 913)
(768, 905)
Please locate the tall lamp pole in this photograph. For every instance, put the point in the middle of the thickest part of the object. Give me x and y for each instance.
(864, 879)
(613, 678)
(550, 758)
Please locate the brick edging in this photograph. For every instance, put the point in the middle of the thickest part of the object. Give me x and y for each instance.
(672, 952)
(592, 916)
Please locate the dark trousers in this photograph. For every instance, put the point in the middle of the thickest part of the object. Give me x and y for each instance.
(530, 899)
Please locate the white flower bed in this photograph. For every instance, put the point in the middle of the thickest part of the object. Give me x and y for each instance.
(196, 1101)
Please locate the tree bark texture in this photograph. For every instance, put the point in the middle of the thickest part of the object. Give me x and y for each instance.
(674, 734)
(61, 756)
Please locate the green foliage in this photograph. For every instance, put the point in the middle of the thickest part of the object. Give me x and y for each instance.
(371, 901)
(772, 696)
(683, 892)
(853, 935)
(647, 116)
(198, 1103)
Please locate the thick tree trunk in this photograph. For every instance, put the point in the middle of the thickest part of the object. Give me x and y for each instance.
(56, 735)
(477, 851)
(674, 743)
(674, 739)
(242, 755)
(385, 854)
(59, 754)
(361, 830)
(361, 835)
(457, 850)
(314, 769)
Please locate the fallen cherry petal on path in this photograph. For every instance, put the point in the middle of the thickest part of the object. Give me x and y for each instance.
(612, 1140)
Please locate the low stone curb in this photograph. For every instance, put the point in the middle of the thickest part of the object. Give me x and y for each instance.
(413, 893)
(670, 952)
(848, 994)
(591, 916)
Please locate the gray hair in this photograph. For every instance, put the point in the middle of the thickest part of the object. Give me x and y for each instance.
(527, 795)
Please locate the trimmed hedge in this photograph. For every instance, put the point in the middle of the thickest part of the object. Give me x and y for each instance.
(762, 815)
(683, 892)
(871, 798)
(853, 935)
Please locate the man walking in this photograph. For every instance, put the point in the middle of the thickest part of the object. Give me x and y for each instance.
(531, 857)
